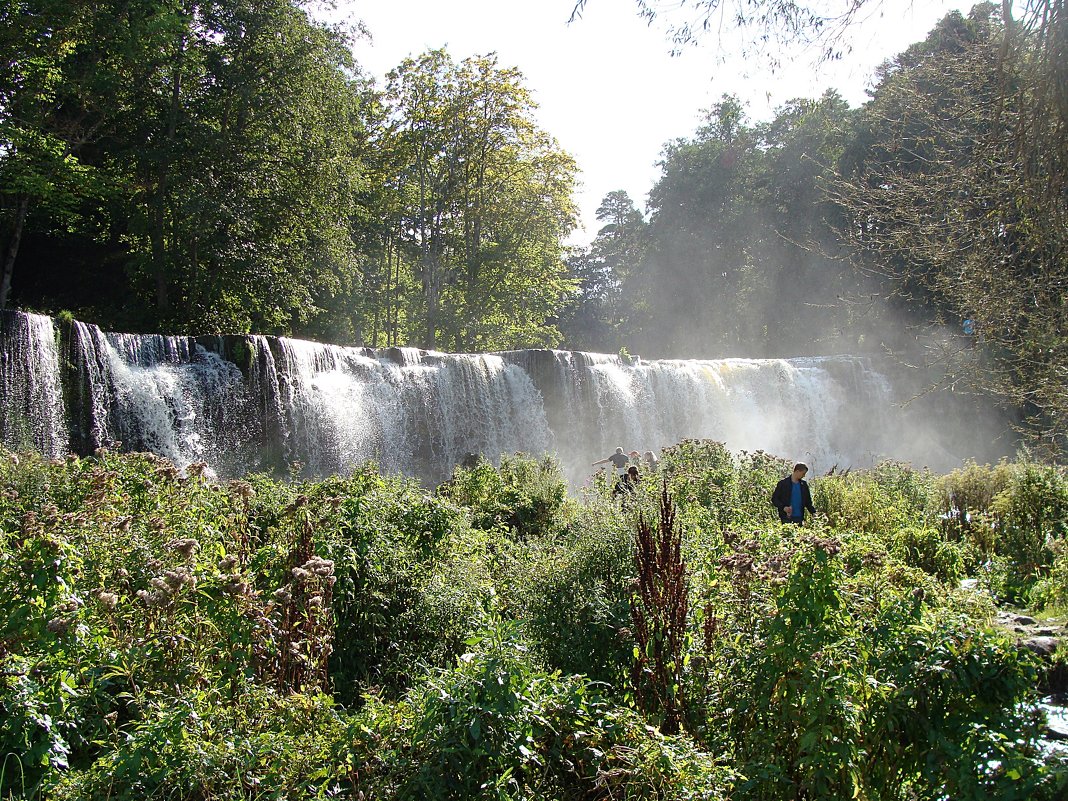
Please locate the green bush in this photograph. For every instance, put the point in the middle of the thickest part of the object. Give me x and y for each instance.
(527, 496)
(573, 593)
(164, 635)
(499, 727)
(1032, 514)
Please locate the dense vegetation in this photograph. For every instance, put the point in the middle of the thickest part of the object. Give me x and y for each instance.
(166, 636)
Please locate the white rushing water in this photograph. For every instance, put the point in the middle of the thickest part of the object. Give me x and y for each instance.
(250, 403)
(31, 396)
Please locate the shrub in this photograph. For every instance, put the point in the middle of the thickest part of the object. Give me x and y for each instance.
(573, 593)
(499, 727)
(525, 495)
(1032, 513)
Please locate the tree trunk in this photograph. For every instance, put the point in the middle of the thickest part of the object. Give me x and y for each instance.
(13, 250)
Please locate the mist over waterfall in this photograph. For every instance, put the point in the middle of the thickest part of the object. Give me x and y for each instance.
(250, 403)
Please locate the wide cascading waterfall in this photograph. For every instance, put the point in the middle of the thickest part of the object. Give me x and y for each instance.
(826, 411)
(248, 403)
(411, 411)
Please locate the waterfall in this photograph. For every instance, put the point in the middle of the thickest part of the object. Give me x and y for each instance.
(247, 403)
(31, 395)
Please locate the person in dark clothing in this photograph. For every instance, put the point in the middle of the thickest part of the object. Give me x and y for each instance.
(626, 485)
(792, 496)
(619, 461)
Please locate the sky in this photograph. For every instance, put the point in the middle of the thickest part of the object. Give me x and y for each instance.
(607, 85)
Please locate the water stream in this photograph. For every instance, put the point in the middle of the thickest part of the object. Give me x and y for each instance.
(246, 403)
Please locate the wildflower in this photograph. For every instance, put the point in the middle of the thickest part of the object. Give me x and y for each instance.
(185, 547)
(300, 574)
(14, 457)
(73, 604)
(227, 563)
(160, 585)
(283, 595)
(168, 472)
(740, 563)
(242, 489)
(319, 566)
(59, 625)
(873, 559)
(108, 600)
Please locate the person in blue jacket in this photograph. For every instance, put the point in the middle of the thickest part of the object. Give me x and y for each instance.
(792, 496)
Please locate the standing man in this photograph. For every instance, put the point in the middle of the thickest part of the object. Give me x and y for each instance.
(792, 497)
(618, 459)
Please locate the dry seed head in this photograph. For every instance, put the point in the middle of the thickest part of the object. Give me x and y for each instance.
(60, 625)
(242, 489)
(160, 585)
(320, 566)
(227, 563)
(168, 472)
(185, 547)
(108, 600)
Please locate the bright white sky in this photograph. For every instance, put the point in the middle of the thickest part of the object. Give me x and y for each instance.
(608, 88)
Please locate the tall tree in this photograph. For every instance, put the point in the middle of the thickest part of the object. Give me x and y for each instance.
(947, 201)
(243, 152)
(62, 72)
(488, 201)
(603, 314)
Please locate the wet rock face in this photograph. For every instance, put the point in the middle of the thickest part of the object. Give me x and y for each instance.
(1044, 647)
(1043, 639)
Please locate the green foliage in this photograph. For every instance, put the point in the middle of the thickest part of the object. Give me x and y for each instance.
(526, 496)
(573, 593)
(498, 727)
(163, 635)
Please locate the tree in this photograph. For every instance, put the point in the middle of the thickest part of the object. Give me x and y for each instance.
(766, 26)
(603, 315)
(61, 70)
(243, 152)
(487, 201)
(945, 202)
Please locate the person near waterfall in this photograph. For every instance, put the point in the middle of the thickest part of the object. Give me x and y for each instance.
(627, 485)
(618, 459)
(792, 496)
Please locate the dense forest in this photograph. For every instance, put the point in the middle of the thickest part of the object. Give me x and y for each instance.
(228, 167)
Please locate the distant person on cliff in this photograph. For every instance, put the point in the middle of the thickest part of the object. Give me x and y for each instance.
(650, 460)
(792, 496)
(618, 459)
